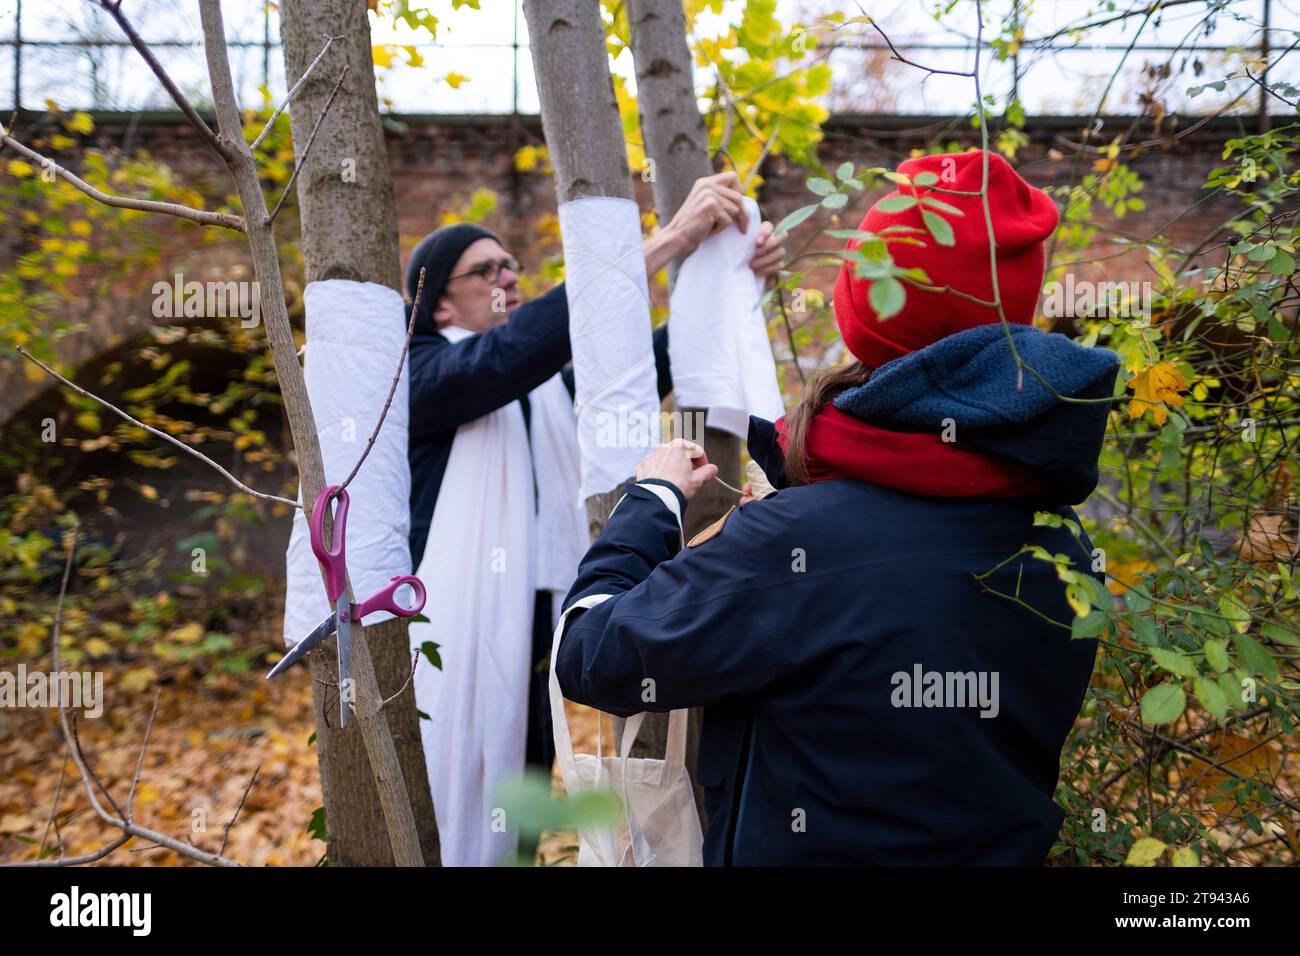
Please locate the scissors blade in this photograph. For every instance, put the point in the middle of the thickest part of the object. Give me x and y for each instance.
(323, 630)
(342, 615)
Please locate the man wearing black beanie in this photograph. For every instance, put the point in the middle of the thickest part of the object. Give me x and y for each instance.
(501, 350)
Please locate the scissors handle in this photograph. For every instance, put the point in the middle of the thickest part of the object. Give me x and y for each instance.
(385, 598)
(331, 556)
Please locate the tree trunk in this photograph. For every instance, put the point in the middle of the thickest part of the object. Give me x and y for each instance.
(349, 232)
(675, 141)
(580, 121)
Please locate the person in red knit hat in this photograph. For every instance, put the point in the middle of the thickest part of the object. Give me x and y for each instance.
(887, 677)
(961, 271)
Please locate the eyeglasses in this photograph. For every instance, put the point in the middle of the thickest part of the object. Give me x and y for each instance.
(490, 271)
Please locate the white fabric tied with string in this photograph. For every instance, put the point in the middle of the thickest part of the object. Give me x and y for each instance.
(717, 337)
(355, 334)
(616, 398)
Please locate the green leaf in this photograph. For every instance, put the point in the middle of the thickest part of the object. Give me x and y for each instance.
(1144, 629)
(1212, 697)
(820, 186)
(1281, 264)
(926, 178)
(938, 227)
(1232, 689)
(1090, 625)
(1163, 704)
(1145, 852)
(845, 172)
(316, 827)
(887, 297)
(1233, 610)
(430, 650)
(1278, 634)
(419, 619)
(1216, 654)
(1254, 656)
(942, 206)
(1174, 662)
(835, 201)
(896, 203)
(796, 217)
(422, 715)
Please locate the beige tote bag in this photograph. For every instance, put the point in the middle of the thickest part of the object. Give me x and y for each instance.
(661, 825)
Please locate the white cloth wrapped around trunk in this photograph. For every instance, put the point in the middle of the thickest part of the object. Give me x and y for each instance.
(616, 400)
(717, 338)
(355, 333)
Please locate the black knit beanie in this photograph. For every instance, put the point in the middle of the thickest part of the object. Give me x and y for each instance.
(437, 254)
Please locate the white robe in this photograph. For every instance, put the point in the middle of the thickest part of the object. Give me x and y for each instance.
(490, 549)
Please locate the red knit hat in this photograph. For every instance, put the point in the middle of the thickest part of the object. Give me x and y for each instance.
(1023, 217)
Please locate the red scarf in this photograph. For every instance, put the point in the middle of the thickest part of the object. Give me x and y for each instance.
(838, 445)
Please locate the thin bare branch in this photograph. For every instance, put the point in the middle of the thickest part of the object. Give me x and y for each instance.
(224, 219)
(225, 837)
(306, 150)
(222, 148)
(54, 812)
(139, 764)
(161, 434)
(415, 662)
(128, 828)
(289, 98)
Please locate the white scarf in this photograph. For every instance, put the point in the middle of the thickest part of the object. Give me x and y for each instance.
(489, 550)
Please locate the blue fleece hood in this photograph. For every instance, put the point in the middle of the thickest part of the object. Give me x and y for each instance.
(970, 378)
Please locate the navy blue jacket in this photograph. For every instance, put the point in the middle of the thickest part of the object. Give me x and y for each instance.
(452, 384)
(799, 627)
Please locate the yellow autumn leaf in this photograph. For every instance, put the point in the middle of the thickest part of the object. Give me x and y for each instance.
(146, 793)
(1145, 852)
(1156, 389)
(18, 168)
(186, 633)
(138, 679)
(98, 647)
(454, 80)
(382, 54)
(527, 158)
(80, 123)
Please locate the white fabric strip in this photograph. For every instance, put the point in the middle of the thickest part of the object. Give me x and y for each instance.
(488, 552)
(717, 338)
(355, 333)
(616, 399)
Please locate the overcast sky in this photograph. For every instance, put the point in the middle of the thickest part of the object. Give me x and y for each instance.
(481, 45)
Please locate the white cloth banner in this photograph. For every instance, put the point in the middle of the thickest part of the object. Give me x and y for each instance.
(491, 546)
(717, 338)
(616, 398)
(355, 333)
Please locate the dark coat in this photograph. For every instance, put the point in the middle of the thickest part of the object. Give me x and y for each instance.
(793, 625)
(453, 384)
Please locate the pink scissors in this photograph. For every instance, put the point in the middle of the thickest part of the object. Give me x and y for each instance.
(334, 561)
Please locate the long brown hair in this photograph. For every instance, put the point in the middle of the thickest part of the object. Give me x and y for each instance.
(817, 391)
